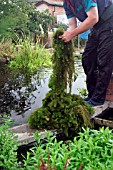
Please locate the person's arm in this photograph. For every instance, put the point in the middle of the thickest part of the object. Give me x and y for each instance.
(88, 23)
(72, 23)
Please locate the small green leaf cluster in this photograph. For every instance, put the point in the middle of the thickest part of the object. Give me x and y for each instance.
(82, 92)
(91, 150)
(8, 147)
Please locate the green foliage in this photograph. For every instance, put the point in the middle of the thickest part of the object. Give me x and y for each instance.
(61, 25)
(62, 111)
(13, 15)
(21, 16)
(91, 150)
(54, 156)
(8, 147)
(94, 149)
(30, 57)
(83, 92)
(63, 63)
(36, 18)
(6, 26)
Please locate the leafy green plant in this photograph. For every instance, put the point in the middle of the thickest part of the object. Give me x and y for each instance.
(8, 147)
(90, 150)
(29, 57)
(94, 149)
(52, 155)
(36, 18)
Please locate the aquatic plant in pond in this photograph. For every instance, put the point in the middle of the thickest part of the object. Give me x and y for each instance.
(63, 64)
(30, 56)
(61, 109)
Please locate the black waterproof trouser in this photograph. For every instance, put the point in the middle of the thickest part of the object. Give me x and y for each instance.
(97, 61)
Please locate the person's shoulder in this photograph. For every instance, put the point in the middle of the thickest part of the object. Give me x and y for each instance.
(88, 4)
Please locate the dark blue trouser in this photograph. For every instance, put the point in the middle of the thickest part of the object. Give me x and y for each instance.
(97, 61)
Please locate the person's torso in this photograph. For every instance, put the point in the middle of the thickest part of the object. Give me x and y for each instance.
(81, 6)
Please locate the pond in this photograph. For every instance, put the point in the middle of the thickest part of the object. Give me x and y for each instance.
(20, 94)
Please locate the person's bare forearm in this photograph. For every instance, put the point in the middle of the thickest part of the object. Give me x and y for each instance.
(87, 24)
(84, 26)
(72, 23)
(90, 21)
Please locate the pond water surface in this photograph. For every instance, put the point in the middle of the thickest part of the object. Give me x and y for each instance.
(21, 95)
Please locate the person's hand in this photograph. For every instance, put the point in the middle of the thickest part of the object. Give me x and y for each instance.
(67, 36)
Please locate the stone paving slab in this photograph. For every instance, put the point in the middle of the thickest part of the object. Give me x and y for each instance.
(26, 134)
(103, 121)
(110, 105)
(100, 109)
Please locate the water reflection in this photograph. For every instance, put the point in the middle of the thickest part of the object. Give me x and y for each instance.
(22, 94)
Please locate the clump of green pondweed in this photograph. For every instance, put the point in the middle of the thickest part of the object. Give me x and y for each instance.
(61, 109)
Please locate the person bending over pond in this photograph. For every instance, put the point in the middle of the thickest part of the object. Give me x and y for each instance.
(97, 59)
